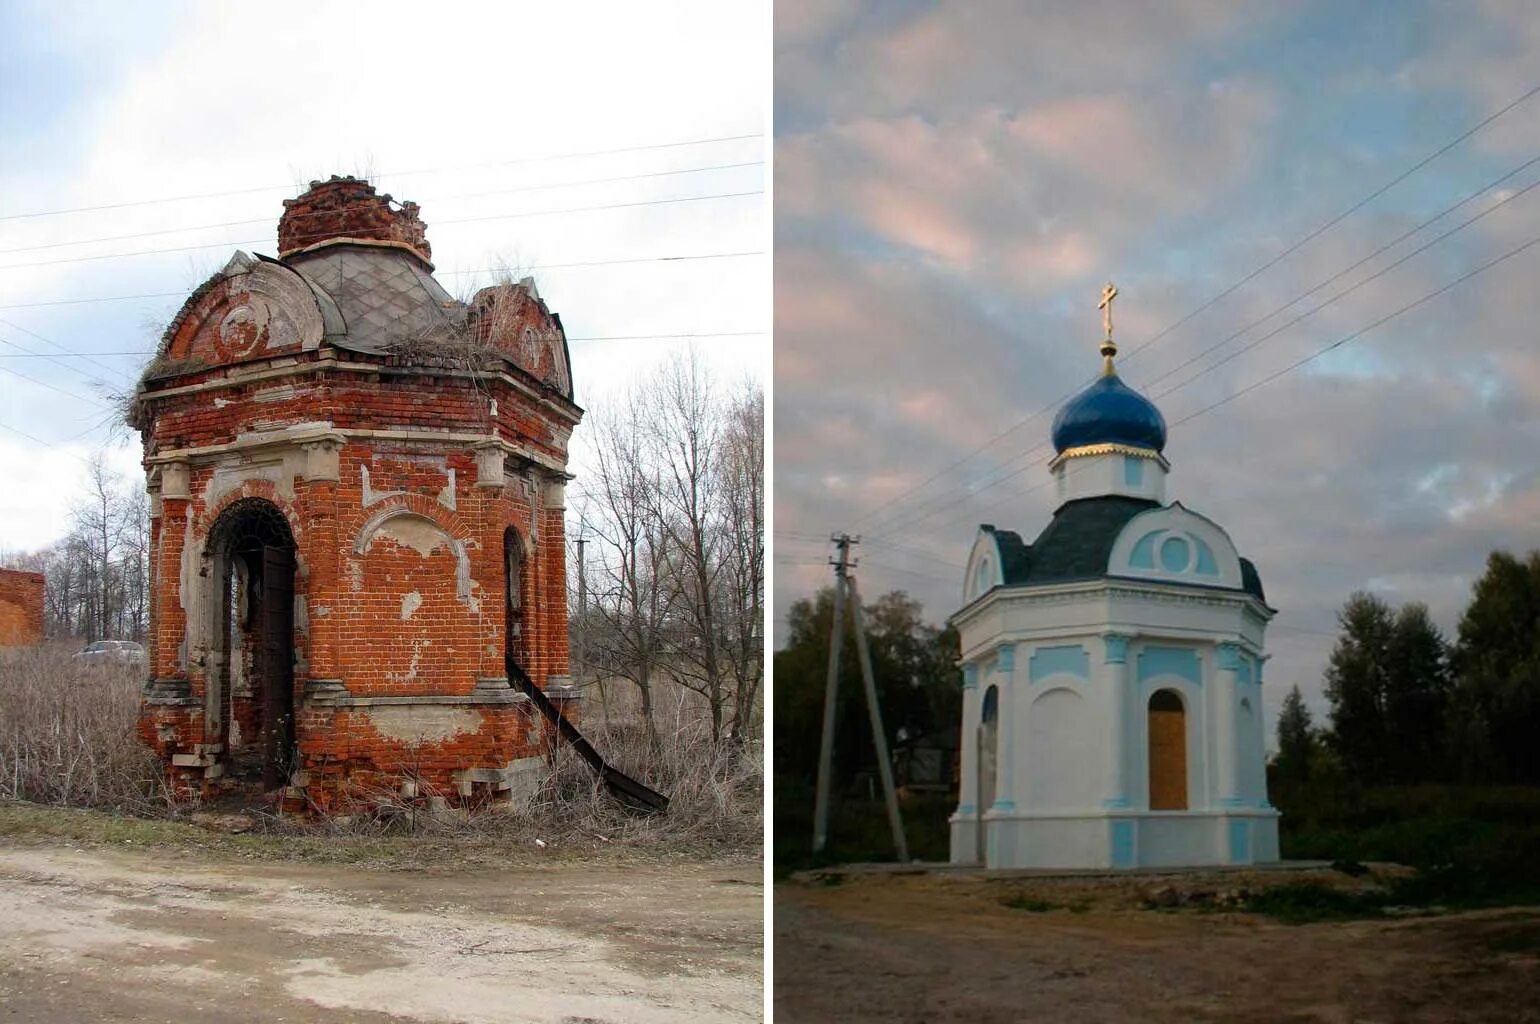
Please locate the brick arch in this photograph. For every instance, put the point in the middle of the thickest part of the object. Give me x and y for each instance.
(264, 489)
(419, 505)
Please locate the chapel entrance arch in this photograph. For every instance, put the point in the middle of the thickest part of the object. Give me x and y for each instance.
(251, 688)
(1168, 751)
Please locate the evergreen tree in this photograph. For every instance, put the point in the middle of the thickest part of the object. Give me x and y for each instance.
(1416, 697)
(1356, 684)
(1296, 741)
(1497, 666)
(914, 666)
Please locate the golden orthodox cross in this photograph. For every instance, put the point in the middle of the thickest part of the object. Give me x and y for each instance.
(1108, 294)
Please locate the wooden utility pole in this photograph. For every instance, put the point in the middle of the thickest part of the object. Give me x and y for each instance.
(874, 712)
(841, 565)
(845, 585)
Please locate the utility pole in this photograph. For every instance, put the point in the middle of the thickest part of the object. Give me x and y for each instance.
(874, 712)
(845, 584)
(841, 563)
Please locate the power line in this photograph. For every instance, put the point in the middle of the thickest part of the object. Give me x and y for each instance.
(396, 174)
(1295, 365)
(45, 444)
(437, 273)
(462, 220)
(54, 344)
(591, 337)
(867, 517)
(321, 214)
(1364, 330)
(915, 516)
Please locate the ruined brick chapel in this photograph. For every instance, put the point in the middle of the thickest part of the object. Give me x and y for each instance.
(357, 487)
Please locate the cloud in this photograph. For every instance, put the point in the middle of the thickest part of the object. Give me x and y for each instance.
(956, 185)
(456, 108)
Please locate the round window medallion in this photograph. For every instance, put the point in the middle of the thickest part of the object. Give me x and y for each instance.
(1175, 553)
(241, 329)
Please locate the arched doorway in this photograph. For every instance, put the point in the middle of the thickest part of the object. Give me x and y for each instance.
(516, 626)
(1168, 751)
(989, 741)
(251, 687)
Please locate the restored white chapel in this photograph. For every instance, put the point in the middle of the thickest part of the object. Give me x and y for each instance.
(1112, 669)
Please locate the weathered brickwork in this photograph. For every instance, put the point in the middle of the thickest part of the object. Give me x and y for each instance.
(21, 608)
(387, 470)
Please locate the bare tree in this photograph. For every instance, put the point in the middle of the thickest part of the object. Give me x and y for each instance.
(631, 560)
(685, 432)
(97, 574)
(742, 497)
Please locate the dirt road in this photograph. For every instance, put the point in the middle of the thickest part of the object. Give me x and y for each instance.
(927, 949)
(114, 935)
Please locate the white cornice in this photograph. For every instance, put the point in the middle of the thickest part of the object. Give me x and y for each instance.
(1111, 587)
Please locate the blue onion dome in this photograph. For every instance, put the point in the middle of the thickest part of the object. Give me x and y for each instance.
(1109, 412)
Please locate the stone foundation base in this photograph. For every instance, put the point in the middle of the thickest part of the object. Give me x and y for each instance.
(1113, 839)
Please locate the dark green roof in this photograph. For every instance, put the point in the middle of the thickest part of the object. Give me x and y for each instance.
(1077, 544)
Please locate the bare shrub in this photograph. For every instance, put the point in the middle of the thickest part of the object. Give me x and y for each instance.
(68, 732)
(715, 790)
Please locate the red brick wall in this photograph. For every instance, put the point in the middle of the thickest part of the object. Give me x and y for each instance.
(21, 608)
(399, 581)
(348, 208)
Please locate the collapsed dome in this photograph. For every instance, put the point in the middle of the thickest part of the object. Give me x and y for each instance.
(1109, 412)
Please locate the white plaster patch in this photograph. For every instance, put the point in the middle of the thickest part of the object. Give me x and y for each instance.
(410, 531)
(423, 724)
(410, 602)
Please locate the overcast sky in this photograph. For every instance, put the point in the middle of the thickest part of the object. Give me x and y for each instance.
(459, 107)
(955, 181)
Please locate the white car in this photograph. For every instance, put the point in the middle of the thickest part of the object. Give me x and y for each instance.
(103, 652)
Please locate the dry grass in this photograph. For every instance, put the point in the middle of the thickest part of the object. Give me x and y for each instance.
(68, 738)
(67, 733)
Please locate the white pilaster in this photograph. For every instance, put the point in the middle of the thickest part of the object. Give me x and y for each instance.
(968, 786)
(1226, 708)
(1115, 672)
(1005, 771)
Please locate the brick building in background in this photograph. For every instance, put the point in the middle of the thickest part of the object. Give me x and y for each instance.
(357, 489)
(21, 608)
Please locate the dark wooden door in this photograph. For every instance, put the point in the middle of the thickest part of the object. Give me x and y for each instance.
(277, 611)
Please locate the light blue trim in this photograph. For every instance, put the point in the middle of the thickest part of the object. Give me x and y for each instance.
(1175, 554)
(1243, 675)
(1206, 564)
(1122, 844)
(1070, 659)
(970, 675)
(1231, 801)
(964, 809)
(1133, 471)
(1173, 661)
(1004, 805)
(1113, 803)
(1143, 554)
(1228, 656)
(1117, 647)
(1005, 658)
(1240, 842)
